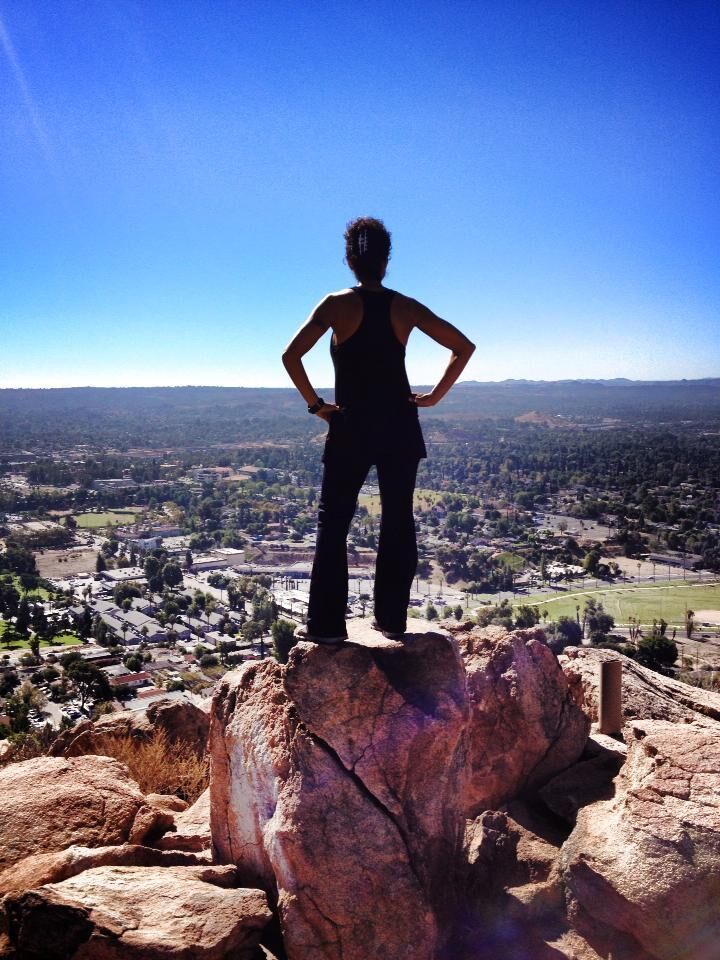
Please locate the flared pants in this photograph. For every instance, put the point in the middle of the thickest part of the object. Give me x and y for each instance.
(343, 476)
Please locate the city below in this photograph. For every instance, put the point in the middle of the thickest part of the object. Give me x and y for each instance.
(152, 540)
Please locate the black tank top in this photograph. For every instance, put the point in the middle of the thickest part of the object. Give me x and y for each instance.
(372, 388)
(370, 365)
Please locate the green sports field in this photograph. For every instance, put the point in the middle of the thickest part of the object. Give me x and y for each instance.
(645, 602)
(113, 518)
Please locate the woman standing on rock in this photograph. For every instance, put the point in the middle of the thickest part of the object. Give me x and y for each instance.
(374, 421)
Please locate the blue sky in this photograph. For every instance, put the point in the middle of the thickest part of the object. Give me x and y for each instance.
(175, 178)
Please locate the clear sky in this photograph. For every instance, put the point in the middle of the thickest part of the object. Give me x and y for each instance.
(175, 178)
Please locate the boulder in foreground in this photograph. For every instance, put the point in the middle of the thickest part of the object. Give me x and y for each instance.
(49, 803)
(148, 913)
(337, 783)
(646, 863)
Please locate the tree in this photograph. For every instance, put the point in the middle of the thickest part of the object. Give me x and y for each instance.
(100, 563)
(22, 621)
(89, 680)
(153, 571)
(689, 623)
(8, 681)
(17, 559)
(264, 607)
(431, 612)
(252, 630)
(85, 625)
(599, 623)
(591, 561)
(9, 601)
(17, 710)
(100, 630)
(565, 632)
(526, 616)
(34, 644)
(172, 575)
(458, 612)
(284, 639)
(29, 582)
(657, 652)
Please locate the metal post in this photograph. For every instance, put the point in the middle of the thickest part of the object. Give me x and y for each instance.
(610, 718)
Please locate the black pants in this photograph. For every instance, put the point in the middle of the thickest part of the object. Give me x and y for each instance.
(397, 546)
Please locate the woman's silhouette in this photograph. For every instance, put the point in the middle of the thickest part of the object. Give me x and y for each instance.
(374, 420)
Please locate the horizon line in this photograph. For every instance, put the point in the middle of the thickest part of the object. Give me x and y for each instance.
(506, 380)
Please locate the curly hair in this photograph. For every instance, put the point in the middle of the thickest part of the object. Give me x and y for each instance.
(367, 248)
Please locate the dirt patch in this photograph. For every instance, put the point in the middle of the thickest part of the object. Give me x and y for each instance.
(707, 616)
(65, 563)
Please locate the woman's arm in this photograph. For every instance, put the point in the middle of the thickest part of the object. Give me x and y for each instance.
(448, 336)
(304, 340)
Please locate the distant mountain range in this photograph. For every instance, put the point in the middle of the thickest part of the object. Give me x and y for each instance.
(228, 414)
(615, 381)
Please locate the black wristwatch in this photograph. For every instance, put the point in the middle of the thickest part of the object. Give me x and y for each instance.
(317, 405)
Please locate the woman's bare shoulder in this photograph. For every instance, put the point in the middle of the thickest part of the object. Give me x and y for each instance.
(408, 307)
(332, 307)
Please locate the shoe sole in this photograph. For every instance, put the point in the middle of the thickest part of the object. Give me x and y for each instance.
(389, 634)
(322, 641)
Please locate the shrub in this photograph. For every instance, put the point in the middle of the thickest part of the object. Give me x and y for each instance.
(159, 765)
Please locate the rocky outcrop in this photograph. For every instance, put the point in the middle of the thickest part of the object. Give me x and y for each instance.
(191, 827)
(588, 780)
(341, 784)
(525, 723)
(514, 891)
(41, 868)
(337, 783)
(643, 868)
(181, 720)
(50, 803)
(374, 753)
(148, 913)
(646, 695)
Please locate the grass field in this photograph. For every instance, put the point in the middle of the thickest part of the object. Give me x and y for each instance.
(67, 639)
(39, 593)
(422, 500)
(113, 518)
(646, 601)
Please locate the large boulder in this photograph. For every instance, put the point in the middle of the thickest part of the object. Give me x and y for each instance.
(337, 784)
(49, 803)
(646, 695)
(525, 725)
(644, 866)
(148, 913)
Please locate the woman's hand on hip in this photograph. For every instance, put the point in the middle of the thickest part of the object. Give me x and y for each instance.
(423, 399)
(327, 410)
